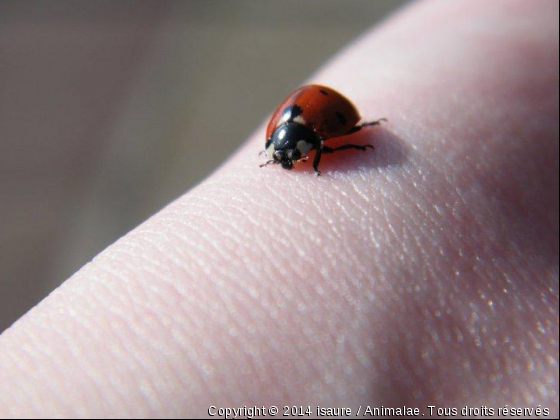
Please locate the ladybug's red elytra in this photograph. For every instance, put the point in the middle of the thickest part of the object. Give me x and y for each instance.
(305, 120)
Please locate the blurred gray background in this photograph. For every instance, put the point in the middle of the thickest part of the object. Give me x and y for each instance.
(109, 110)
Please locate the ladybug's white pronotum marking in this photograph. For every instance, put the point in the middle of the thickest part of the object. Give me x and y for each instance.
(270, 150)
(304, 147)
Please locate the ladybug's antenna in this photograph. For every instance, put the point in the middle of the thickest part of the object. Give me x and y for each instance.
(267, 163)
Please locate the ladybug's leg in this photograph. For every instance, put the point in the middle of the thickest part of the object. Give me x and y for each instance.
(346, 147)
(267, 163)
(317, 160)
(367, 124)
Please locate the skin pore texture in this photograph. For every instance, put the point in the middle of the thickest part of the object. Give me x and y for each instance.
(423, 273)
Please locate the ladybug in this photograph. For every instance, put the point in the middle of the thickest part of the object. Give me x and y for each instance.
(307, 118)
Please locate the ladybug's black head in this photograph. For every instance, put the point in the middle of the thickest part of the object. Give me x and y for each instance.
(291, 142)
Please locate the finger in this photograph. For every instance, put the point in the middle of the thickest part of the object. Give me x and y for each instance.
(423, 272)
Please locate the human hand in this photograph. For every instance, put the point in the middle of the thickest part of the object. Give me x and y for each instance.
(424, 273)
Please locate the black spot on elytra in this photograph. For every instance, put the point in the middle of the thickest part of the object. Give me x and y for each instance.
(296, 110)
(290, 113)
(341, 117)
(324, 92)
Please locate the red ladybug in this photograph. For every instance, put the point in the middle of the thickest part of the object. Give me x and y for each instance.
(305, 120)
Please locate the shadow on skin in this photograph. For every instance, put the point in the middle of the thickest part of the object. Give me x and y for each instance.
(389, 150)
(409, 369)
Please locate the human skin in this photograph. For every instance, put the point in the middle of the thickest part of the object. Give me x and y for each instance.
(423, 273)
